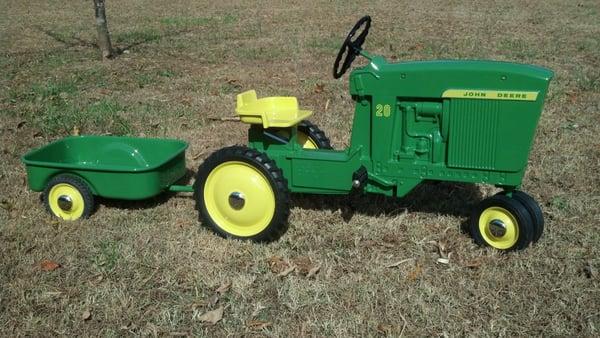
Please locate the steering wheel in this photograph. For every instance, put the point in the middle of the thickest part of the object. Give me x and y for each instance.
(351, 47)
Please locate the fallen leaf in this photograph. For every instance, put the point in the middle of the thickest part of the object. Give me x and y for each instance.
(212, 317)
(415, 273)
(319, 88)
(277, 264)
(86, 315)
(303, 264)
(286, 271)
(443, 260)
(37, 134)
(473, 264)
(223, 288)
(417, 47)
(572, 97)
(393, 265)
(226, 118)
(213, 300)
(48, 265)
(442, 249)
(75, 131)
(257, 310)
(6, 205)
(313, 272)
(590, 271)
(257, 324)
(384, 328)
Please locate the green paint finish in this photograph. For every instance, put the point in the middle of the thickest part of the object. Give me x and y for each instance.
(463, 121)
(113, 167)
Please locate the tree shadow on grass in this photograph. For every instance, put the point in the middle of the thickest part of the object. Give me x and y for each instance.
(142, 37)
(446, 198)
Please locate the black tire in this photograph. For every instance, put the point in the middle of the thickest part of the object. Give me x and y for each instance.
(253, 162)
(62, 201)
(315, 134)
(511, 214)
(534, 211)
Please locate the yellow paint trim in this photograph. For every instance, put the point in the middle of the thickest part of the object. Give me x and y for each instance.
(78, 204)
(259, 198)
(490, 94)
(512, 228)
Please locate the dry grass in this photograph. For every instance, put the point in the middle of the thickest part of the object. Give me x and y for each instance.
(149, 268)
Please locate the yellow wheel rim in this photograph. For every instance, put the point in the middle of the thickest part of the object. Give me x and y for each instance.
(303, 139)
(239, 199)
(306, 142)
(498, 227)
(66, 201)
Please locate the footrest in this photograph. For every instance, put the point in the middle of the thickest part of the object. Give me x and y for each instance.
(276, 111)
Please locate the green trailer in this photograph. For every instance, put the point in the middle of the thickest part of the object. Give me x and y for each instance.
(72, 171)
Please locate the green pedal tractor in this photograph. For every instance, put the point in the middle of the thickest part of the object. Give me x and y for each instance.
(461, 121)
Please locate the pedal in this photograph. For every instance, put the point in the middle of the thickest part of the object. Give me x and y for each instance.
(359, 178)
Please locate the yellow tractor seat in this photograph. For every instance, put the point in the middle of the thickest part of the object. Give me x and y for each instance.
(276, 111)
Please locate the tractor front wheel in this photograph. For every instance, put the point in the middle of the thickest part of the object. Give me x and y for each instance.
(502, 223)
(534, 211)
(241, 193)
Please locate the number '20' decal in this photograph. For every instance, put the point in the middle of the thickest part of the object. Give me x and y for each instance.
(383, 110)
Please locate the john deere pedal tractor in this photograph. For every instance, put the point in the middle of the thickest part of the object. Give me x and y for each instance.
(461, 121)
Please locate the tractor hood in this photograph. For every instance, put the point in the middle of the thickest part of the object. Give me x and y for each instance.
(431, 79)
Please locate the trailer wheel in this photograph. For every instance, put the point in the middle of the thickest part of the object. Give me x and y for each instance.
(68, 197)
(534, 211)
(502, 223)
(241, 193)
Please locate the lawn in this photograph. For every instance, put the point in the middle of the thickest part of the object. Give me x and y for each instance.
(366, 269)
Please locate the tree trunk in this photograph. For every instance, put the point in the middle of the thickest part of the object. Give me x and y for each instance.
(102, 28)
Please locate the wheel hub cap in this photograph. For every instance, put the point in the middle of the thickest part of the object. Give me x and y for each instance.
(65, 202)
(237, 200)
(497, 228)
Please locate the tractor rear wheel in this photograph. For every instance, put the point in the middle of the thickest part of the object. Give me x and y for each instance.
(310, 136)
(241, 193)
(502, 223)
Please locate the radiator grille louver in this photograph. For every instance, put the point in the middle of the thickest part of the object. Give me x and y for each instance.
(473, 133)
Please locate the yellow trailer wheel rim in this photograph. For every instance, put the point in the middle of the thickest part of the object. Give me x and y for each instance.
(66, 202)
(239, 199)
(499, 228)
